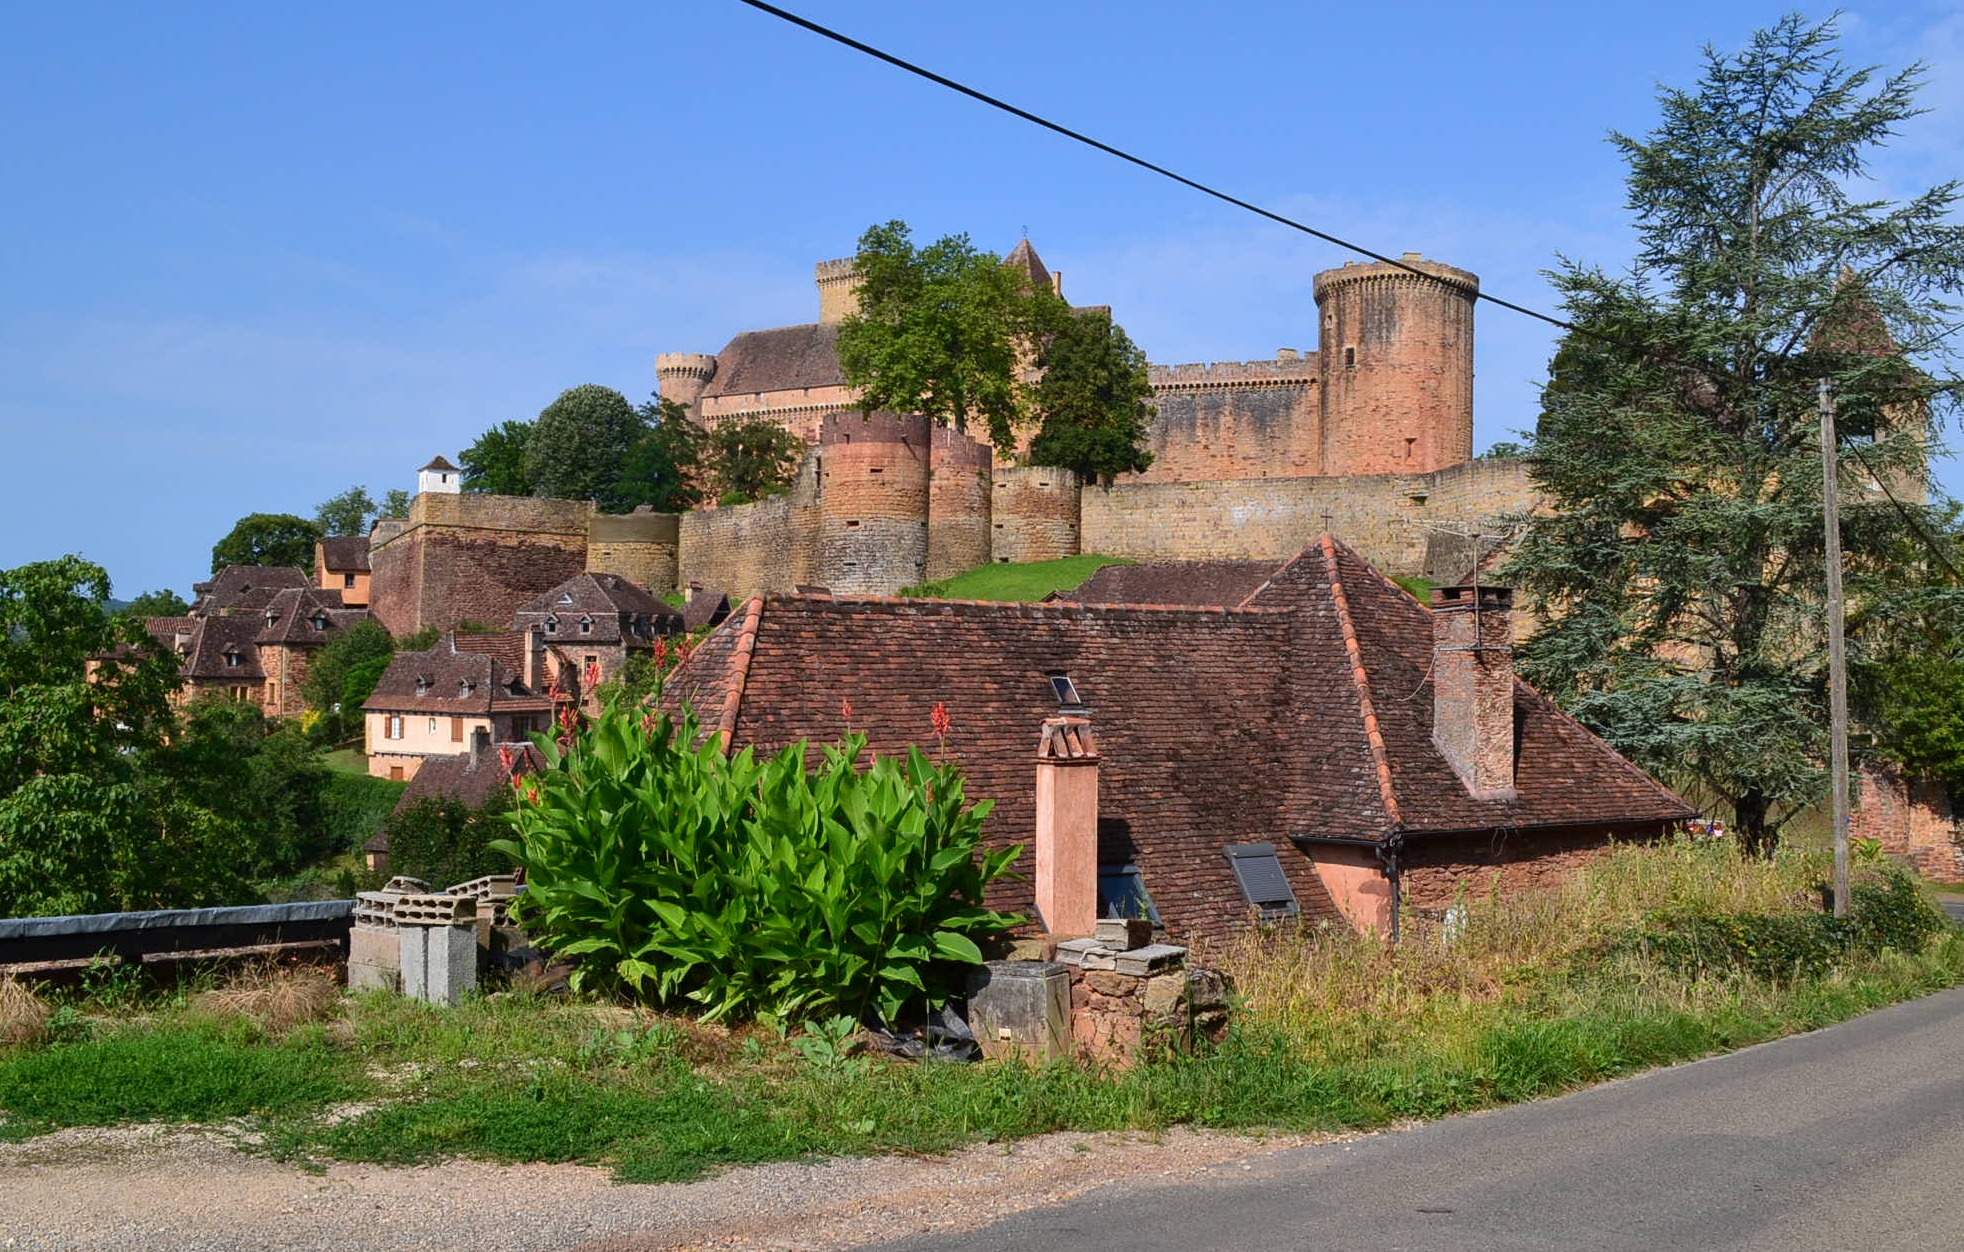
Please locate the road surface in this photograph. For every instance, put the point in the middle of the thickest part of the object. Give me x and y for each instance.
(1851, 1137)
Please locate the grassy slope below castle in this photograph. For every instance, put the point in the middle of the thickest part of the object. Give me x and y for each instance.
(1031, 581)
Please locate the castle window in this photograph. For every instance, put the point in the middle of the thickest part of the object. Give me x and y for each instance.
(1350, 356)
(878, 469)
(1409, 443)
(852, 525)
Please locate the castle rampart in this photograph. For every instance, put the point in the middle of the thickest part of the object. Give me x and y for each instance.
(1035, 514)
(873, 502)
(1235, 419)
(958, 503)
(749, 549)
(642, 547)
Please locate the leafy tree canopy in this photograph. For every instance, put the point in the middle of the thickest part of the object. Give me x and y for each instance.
(327, 672)
(943, 330)
(753, 459)
(280, 539)
(1095, 400)
(663, 468)
(395, 503)
(155, 604)
(495, 464)
(576, 448)
(1680, 564)
(345, 514)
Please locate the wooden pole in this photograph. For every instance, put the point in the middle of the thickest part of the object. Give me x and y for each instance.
(1837, 652)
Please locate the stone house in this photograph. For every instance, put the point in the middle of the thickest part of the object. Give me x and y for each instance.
(241, 588)
(252, 638)
(1328, 748)
(341, 566)
(579, 634)
(436, 704)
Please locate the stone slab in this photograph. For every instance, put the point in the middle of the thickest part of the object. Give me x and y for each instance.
(1121, 934)
(1154, 956)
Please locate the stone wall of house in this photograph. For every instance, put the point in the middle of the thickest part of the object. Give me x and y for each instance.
(958, 504)
(1440, 872)
(873, 502)
(470, 556)
(1234, 419)
(1035, 515)
(1383, 516)
(641, 547)
(1911, 817)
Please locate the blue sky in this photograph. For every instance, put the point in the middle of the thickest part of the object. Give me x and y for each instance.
(251, 256)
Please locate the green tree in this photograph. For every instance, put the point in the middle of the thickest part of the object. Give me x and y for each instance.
(267, 539)
(1680, 564)
(155, 604)
(495, 464)
(1095, 400)
(256, 775)
(752, 459)
(395, 503)
(1504, 448)
(664, 467)
(943, 330)
(325, 685)
(576, 448)
(442, 840)
(345, 514)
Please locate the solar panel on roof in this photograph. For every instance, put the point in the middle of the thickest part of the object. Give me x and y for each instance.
(1259, 872)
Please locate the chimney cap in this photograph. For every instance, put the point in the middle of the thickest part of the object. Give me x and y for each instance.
(1067, 740)
(1469, 595)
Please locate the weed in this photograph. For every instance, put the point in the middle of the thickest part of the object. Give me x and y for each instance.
(23, 1015)
(276, 1000)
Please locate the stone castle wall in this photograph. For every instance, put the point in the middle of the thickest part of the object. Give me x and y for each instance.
(873, 502)
(1397, 356)
(1383, 516)
(464, 556)
(749, 549)
(1255, 419)
(1036, 515)
(959, 497)
(640, 547)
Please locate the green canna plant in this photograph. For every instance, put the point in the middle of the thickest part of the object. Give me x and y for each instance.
(754, 888)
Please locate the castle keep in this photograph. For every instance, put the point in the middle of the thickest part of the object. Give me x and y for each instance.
(1369, 437)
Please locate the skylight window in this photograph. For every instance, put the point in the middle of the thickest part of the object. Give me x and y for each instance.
(1263, 884)
(1066, 691)
(1122, 893)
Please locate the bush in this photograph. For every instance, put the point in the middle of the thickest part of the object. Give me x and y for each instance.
(355, 806)
(753, 887)
(443, 841)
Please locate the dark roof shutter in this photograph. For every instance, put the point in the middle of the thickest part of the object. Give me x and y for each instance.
(1259, 871)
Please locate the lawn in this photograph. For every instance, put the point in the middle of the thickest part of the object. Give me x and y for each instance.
(1652, 957)
(1031, 581)
(347, 761)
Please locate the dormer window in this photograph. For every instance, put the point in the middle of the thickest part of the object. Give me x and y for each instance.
(586, 624)
(551, 624)
(514, 686)
(422, 685)
(464, 688)
(320, 621)
(232, 659)
(272, 619)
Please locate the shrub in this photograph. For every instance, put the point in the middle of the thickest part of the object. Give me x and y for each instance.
(442, 840)
(753, 887)
(276, 1000)
(355, 806)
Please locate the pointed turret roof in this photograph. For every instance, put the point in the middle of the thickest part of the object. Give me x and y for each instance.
(1024, 257)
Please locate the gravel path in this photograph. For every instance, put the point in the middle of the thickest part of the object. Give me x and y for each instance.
(155, 1187)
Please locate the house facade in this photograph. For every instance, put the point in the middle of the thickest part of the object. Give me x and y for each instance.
(437, 704)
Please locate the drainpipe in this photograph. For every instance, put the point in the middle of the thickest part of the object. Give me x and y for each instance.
(1390, 852)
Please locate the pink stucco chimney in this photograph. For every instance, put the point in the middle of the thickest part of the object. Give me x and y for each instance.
(1473, 686)
(1067, 826)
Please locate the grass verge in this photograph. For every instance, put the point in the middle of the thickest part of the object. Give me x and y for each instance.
(1031, 581)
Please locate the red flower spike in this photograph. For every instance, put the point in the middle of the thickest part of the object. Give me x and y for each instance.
(505, 758)
(661, 654)
(592, 674)
(941, 720)
(845, 708)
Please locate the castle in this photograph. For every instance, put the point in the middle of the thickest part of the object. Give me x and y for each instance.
(1369, 437)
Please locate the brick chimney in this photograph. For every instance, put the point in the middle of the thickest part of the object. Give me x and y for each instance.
(1473, 686)
(1067, 826)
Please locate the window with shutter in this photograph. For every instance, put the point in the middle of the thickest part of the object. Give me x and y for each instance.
(1259, 872)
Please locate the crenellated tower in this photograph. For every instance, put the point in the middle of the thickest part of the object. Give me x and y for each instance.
(1396, 360)
(838, 289)
(683, 377)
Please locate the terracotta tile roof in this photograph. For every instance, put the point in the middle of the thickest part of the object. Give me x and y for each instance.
(508, 647)
(1222, 583)
(784, 359)
(344, 554)
(1306, 712)
(705, 607)
(620, 611)
(444, 671)
(441, 463)
(472, 780)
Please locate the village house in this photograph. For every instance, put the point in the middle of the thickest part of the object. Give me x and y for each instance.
(579, 634)
(473, 779)
(1326, 748)
(341, 566)
(250, 637)
(430, 705)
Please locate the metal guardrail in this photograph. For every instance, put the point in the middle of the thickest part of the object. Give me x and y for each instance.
(50, 943)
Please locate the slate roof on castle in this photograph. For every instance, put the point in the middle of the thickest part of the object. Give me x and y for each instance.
(1216, 726)
(618, 611)
(453, 681)
(785, 358)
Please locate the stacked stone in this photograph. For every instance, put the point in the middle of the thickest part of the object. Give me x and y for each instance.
(1132, 997)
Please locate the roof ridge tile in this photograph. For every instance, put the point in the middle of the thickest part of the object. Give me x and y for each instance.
(1362, 680)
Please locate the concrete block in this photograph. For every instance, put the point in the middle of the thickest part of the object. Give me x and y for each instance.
(1152, 957)
(374, 945)
(1021, 1008)
(414, 961)
(435, 910)
(363, 976)
(1122, 934)
(453, 958)
(1074, 952)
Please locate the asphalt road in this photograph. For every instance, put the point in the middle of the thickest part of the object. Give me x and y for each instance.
(1851, 1137)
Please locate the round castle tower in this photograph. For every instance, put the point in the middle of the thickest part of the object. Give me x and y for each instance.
(684, 376)
(873, 502)
(1397, 366)
(958, 499)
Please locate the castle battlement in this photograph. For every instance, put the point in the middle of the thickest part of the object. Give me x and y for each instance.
(848, 428)
(952, 450)
(1379, 272)
(1283, 371)
(833, 271)
(685, 364)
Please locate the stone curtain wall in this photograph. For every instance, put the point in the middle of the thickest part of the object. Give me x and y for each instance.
(1911, 817)
(475, 556)
(873, 502)
(1258, 419)
(959, 493)
(640, 547)
(1383, 516)
(1035, 516)
(749, 549)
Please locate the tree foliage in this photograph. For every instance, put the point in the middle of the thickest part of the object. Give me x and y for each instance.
(943, 330)
(577, 446)
(495, 464)
(753, 888)
(442, 840)
(752, 459)
(1680, 564)
(279, 539)
(1094, 400)
(347, 513)
(154, 604)
(663, 468)
(325, 685)
(395, 503)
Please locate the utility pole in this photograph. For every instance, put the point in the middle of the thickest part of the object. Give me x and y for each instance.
(1837, 652)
